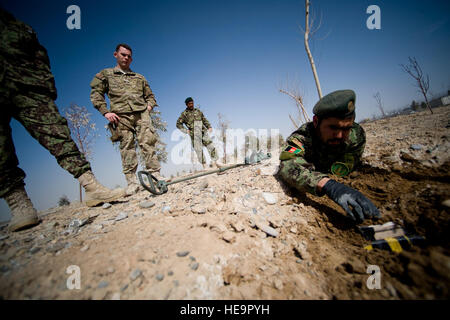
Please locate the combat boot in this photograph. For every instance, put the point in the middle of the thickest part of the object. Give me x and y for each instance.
(95, 192)
(23, 213)
(133, 186)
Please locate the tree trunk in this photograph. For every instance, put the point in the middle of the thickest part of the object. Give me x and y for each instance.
(311, 60)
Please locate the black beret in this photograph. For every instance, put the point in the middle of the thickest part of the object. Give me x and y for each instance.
(339, 104)
(188, 99)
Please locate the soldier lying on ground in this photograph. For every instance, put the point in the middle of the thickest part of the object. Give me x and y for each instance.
(331, 143)
(27, 94)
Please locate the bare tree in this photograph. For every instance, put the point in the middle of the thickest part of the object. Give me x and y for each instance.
(309, 29)
(224, 124)
(302, 114)
(83, 131)
(422, 82)
(377, 97)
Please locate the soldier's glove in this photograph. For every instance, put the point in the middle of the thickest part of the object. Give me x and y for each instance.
(345, 196)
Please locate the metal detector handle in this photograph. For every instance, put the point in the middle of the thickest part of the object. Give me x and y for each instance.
(155, 186)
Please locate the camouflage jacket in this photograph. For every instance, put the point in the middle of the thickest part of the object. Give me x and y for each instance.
(128, 92)
(188, 117)
(305, 160)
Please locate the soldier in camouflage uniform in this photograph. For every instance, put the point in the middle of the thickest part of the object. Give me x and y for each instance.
(131, 101)
(197, 127)
(27, 94)
(330, 145)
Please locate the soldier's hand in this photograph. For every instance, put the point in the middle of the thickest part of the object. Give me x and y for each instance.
(210, 130)
(112, 117)
(149, 108)
(345, 196)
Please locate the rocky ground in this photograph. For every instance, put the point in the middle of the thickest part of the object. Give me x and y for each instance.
(243, 235)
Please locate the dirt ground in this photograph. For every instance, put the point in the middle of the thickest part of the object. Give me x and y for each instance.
(243, 235)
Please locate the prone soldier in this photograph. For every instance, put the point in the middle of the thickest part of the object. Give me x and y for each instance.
(331, 144)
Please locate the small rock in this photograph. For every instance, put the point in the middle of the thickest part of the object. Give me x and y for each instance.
(390, 288)
(56, 247)
(103, 284)
(116, 296)
(237, 226)
(416, 147)
(268, 230)
(135, 274)
(278, 284)
(146, 204)
(195, 266)
(121, 216)
(159, 277)
(52, 224)
(106, 205)
(34, 250)
(269, 198)
(170, 273)
(198, 209)
(182, 253)
(204, 185)
(85, 248)
(176, 283)
(97, 227)
(293, 230)
(76, 223)
(124, 288)
(446, 203)
(229, 237)
(110, 270)
(407, 157)
(192, 258)
(166, 209)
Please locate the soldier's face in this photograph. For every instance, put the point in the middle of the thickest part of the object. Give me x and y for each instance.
(190, 105)
(123, 57)
(333, 131)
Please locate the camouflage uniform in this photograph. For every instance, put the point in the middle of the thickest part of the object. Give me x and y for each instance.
(199, 137)
(129, 95)
(27, 94)
(305, 160)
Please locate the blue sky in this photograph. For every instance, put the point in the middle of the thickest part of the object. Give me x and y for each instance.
(232, 57)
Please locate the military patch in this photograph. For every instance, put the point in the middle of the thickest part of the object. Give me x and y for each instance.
(297, 142)
(340, 169)
(291, 152)
(294, 150)
(351, 106)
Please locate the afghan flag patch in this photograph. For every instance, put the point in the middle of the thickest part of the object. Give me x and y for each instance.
(294, 150)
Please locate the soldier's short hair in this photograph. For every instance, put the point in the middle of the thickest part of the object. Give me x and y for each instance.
(123, 45)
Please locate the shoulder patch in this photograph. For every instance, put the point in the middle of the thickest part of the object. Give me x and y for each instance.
(297, 142)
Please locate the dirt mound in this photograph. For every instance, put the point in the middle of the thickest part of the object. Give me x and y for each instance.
(244, 235)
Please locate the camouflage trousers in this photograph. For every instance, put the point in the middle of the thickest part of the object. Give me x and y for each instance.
(27, 94)
(137, 127)
(39, 115)
(198, 142)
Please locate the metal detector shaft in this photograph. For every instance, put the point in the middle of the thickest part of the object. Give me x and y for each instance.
(159, 187)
